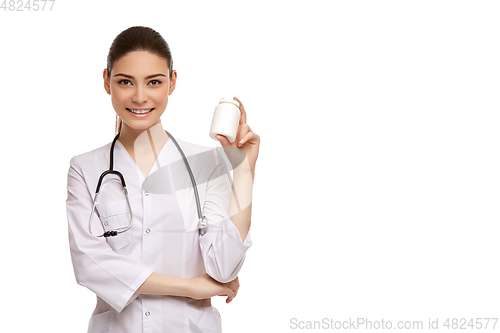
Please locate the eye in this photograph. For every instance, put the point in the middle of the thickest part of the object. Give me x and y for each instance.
(122, 82)
(158, 82)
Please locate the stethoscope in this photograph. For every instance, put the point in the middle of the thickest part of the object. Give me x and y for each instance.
(202, 220)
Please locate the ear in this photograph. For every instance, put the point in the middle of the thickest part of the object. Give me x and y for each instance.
(173, 82)
(106, 81)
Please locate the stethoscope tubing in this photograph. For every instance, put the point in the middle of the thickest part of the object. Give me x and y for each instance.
(202, 221)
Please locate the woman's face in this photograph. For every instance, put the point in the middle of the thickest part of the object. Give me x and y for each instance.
(139, 86)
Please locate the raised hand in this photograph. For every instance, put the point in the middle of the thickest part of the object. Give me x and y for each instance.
(246, 139)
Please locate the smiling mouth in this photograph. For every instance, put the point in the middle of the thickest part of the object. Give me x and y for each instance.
(140, 111)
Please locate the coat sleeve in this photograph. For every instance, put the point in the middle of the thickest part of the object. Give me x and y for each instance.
(221, 246)
(111, 276)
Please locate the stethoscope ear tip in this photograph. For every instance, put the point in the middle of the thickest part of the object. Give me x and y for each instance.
(110, 233)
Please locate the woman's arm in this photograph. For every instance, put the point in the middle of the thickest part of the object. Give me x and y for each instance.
(197, 288)
(228, 209)
(159, 284)
(246, 145)
(240, 203)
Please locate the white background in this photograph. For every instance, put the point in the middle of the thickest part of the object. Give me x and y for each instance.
(378, 179)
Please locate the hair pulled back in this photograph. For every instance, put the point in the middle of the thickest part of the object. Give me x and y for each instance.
(138, 38)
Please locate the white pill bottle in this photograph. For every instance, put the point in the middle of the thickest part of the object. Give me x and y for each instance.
(226, 119)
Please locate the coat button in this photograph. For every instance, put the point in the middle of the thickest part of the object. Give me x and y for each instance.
(148, 231)
(146, 193)
(147, 313)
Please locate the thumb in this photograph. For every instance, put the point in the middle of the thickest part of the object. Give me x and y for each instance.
(223, 140)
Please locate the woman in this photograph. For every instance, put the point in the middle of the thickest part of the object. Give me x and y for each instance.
(160, 275)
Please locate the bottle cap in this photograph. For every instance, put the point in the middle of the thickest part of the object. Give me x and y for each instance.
(230, 100)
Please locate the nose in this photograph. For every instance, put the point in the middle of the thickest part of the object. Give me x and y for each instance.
(139, 96)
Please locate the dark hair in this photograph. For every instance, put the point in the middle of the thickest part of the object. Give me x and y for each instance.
(138, 38)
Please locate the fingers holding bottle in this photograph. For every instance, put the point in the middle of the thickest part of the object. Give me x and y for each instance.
(243, 113)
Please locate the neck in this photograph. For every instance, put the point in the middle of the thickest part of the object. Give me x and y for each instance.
(143, 140)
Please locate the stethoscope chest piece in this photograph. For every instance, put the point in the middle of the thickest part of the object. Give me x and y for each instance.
(202, 225)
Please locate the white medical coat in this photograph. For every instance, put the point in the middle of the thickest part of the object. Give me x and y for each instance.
(164, 238)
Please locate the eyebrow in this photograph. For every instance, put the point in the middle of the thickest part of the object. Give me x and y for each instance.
(147, 77)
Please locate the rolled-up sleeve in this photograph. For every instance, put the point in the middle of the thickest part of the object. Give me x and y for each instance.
(111, 276)
(221, 246)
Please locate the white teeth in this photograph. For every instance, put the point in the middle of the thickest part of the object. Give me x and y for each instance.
(140, 111)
